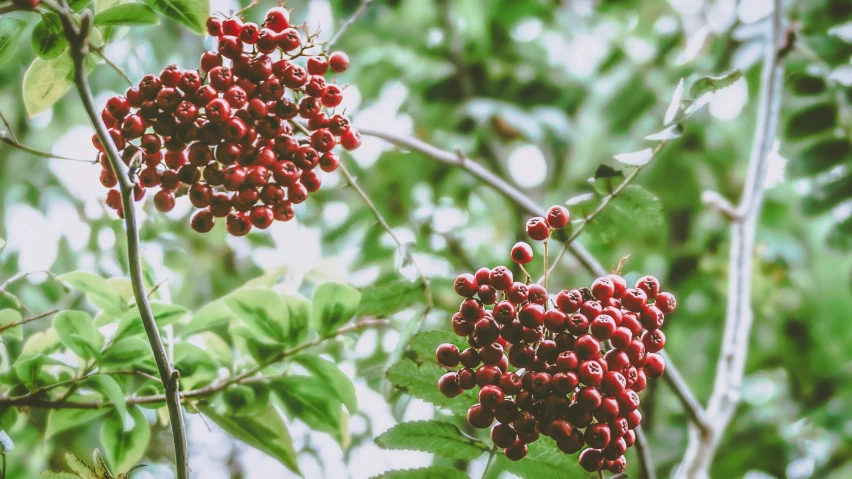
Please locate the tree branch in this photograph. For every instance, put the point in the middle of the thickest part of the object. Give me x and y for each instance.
(643, 452)
(348, 23)
(33, 400)
(8, 138)
(739, 315)
(77, 38)
(4, 327)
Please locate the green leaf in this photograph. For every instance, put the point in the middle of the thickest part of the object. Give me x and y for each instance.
(189, 13)
(636, 158)
(306, 398)
(58, 475)
(424, 343)
(432, 472)
(79, 466)
(9, 316)
(671, 133)
(101, 469)
(11, 30)
(545, 461)
(262, 310)
(77, 331)
(97, 289)
(265, 432)
(124, 449)
(212, 315)
(384, 300)
(703, 89)
(811, 121)
(126, 352)
(111, 390)
(46, 81)
(48, 37)
(340, 384)
(59, 420)
(77, 6)
(333, 305)
(127, 14)
(437, 437)
(218, 349)
(635, 209)
(164, 314)
(821, 156)
(421, 381)
(299, 311)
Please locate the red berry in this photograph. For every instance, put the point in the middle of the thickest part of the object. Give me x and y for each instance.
(164, 201)
(317, 65)
(490, 396)
(652, 318)
(634, 299)
(238, 224)
(351, 140)
(666, 302)
(261, 216)
(449, 386)
(277, 19)
(650, 285)
(339, 62)
(289, 40)
(558, 216)
(591, 460)
(501, 278)
(537, 229)
(590, 373)
(555, 321)
(613, 383)
(603, 327)
(447, 355)
(654, 365)
(503, 435)
(249, 33)
(332, 96)
(597, 436)
(531, 315)
(479, 417)
(522, 253)
(202, 221)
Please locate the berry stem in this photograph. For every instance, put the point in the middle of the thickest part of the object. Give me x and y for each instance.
(77, 38)
(528, 277)
(491, 455)
(544, 280)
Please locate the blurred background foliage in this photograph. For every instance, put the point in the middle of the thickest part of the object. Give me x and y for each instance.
(541, 92)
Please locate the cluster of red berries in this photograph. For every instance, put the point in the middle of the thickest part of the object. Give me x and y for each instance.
(542, 365)
(223, 134)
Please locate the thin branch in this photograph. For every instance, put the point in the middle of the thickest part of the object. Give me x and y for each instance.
(348, 23)
(715, 201)
(687, 400)
(77, 38)
(739, 314)
(384, 224)
(603, 204)
(100, 51)
(27, 320)
(643, 452)
(42, 154)
(33, 401)
(9, 8)
(8, 127)
(19, 276)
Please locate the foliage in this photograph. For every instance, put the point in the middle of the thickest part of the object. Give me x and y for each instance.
(514, 85)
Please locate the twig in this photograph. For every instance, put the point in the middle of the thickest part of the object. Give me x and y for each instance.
(9, 8)
(31, 400)
(100, 51)
(739, 315)
(27, 320)
(348, 23)
(8, 127)
(77, 39)
(19, 276)
(687, 400)
(384, 224)
(643, 452)
(603, 204)
(157, 286)
(42, 154)
(715, 201)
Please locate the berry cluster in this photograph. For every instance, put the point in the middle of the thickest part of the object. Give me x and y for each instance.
(223, 134)
(541, 363)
